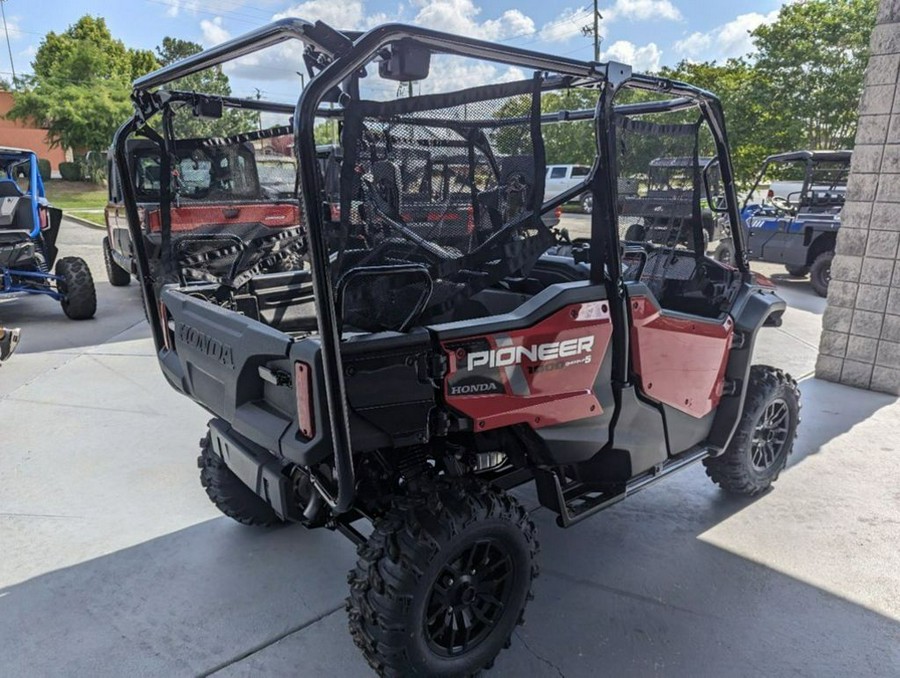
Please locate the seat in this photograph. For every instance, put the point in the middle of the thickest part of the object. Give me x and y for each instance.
(9, 189)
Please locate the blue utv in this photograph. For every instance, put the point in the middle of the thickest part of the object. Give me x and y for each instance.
(28, 230)
(797, 221)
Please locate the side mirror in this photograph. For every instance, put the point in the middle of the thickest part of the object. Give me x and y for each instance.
(716, 201)
(405, 61)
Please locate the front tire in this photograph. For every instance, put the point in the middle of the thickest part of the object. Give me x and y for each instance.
(229, 494)
(635, 233)
(820, 273)
(797, 271)
(118, 276)
(587, 203)
(79, 298)
(724, 252)
(443, 581)
(765, 435)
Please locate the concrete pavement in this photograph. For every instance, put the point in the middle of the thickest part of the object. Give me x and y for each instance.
(113, 562)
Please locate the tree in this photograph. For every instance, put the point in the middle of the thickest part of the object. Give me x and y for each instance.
(210, 81)
(811, 63)
(81, 84)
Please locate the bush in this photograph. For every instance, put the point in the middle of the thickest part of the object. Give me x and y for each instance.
(44, 168)
(70, 171)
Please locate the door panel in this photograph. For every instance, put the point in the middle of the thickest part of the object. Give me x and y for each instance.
(680, 359)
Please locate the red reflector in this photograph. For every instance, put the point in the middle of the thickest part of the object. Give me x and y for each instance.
(303, 387)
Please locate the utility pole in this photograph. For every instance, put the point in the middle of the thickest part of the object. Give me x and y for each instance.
(258, 113)
(12, 66)
(595, 31)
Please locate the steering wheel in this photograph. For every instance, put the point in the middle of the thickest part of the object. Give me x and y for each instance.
(781, 203)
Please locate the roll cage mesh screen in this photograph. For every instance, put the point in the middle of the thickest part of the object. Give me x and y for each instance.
(440, 195)
(219, 209)
(660, 184)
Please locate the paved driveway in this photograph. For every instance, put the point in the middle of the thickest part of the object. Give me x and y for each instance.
(114, 563)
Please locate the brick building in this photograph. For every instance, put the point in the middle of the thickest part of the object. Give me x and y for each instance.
(18, 135)
(860, 343)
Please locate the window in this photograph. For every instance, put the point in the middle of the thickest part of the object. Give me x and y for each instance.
(558, 173)
(580, 171)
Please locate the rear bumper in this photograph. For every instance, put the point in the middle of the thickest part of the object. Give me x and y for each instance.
(257, 468)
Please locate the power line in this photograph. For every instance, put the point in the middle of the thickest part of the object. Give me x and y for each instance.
(8, 44)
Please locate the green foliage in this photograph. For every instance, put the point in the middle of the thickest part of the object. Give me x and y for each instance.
(70, 171)
(814, 59)
(81, 85)
(44, 169)
(211, 81)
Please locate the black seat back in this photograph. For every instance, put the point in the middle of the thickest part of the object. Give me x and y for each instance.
(9, 189)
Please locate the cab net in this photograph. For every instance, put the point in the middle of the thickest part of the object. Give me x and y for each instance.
(660, 191)
(440, 195)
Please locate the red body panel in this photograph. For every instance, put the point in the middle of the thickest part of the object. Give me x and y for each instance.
(195, 217)
(681, 362)
(542, 375)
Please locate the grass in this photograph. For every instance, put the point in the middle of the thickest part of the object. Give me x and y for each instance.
(78, 197)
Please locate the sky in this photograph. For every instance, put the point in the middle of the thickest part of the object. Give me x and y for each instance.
(644, 33)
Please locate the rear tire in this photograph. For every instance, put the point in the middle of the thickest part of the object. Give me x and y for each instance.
(820, 273)
(797, 271)
(443, 581)
(229, 494)
(79, 298)
(118, 276)
(765, 435)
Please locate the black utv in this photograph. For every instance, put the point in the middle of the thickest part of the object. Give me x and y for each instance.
(797, 220)
(436, 344)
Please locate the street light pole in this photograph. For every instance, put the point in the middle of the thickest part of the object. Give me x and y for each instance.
(12, 66)
(596, 32)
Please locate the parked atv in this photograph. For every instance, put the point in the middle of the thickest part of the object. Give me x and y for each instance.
(667, 179)
(796, 223)
(28, 229)
(407, 377)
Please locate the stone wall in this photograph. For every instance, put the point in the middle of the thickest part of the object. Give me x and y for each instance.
(860, 343)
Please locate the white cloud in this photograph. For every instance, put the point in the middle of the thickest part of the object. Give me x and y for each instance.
(213, 31)
(642, 10)
(461, 16)
(728, 40)
(642, 59)
(571, 20)
(175, 7)
(14, 27)
(568, 24)
(347, 15)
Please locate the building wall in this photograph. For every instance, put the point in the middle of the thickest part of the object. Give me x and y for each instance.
(14, 133)
(860, 344)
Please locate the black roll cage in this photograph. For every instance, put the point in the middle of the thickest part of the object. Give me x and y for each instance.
(808, 158)
(334, 60)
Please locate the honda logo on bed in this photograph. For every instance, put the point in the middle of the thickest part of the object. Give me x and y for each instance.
(205, 344)
(513, 355)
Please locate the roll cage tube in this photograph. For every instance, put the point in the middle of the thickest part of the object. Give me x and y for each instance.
(363, 51)
(134, 228)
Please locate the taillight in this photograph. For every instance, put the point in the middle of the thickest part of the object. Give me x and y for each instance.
(470, 219)
(558, 211)
(303, 388)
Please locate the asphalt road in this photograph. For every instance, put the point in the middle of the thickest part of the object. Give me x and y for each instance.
(114, 563)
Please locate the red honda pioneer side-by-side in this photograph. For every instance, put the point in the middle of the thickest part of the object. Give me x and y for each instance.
(366, 354)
